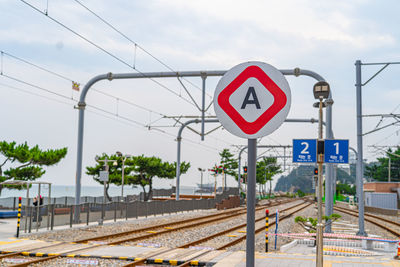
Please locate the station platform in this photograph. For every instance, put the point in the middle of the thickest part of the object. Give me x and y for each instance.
(301, 255)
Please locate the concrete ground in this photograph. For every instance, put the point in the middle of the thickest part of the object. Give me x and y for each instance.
(299, 255)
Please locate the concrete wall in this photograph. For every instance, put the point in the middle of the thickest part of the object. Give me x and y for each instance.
(381, 187)
(381, 200)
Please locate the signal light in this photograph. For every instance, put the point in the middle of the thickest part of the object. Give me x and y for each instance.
(316, 171)
(245, 169)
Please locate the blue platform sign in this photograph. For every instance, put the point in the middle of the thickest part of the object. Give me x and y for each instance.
(336, 151)
(304, 150)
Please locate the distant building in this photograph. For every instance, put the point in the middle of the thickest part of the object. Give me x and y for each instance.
(381, 187)
(382, 195)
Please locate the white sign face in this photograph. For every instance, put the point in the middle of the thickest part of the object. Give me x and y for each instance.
(83, 261)
(252, 99)
(103, 176)
(15, 260)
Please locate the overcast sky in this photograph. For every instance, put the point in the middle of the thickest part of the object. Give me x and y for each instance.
(323, 36)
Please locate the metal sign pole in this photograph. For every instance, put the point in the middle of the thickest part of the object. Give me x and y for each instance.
(319, 224)
(251, 201)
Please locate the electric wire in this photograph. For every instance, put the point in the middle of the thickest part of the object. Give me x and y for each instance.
(108, 114)
(35, 94)
(135, 43)
(64, 77)
(71, 80)
(107, 52)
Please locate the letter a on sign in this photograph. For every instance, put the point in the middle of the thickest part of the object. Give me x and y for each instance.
(252, 99)
(246, 101)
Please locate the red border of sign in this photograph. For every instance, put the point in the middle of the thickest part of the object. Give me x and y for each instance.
(280, 99)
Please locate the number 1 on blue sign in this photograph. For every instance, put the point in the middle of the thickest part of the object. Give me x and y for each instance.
(336, 151)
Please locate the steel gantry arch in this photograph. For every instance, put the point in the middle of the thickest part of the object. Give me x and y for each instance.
(203, 74)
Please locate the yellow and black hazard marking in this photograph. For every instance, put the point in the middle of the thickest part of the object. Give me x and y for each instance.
(174, 262)
(19, 216)
(66, 255)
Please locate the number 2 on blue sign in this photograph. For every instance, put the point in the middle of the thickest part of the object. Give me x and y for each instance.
(304, 151)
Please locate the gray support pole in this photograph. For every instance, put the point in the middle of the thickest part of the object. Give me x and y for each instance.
(123, 178)
(81, 107)
(359, 166)
(239, 167)
(284, 168)
(27, 207)
(251, 201)
(203, 104)
(329, 170)
(178, 157)
(334, 179)
(48, 206)
(178, 167)
(38, 209)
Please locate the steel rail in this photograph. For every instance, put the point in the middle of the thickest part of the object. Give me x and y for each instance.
(237, 210)
(232, 229)
(195, 224)
(187, 263)
(355, 214)
(263, 227)
(234, 242)
(143, 261)
(50, 257)
(55, 255)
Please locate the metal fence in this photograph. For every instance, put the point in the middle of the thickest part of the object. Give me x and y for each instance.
(11, 203)
(51, 215)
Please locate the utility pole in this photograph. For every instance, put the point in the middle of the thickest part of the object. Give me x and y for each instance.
(201, 183)
(123, 157)
(390, 166)
(104, 176)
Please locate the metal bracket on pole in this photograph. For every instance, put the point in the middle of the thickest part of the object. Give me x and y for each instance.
(178, 157)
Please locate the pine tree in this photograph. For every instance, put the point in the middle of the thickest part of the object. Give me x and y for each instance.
(25, 163)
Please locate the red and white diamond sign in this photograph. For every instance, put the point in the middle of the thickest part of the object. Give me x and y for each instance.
(252, 99)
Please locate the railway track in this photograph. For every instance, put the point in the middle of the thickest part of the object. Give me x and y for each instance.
(157, 230)
(194, 224)
(172, 226)
(241, 238)
(387, 225)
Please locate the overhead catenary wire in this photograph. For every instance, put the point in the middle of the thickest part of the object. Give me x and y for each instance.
(107, 52)
(64, 77)
(108, 114)
(136, 45)
(91, 106)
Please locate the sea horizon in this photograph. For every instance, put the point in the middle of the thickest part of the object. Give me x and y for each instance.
(86, 190)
